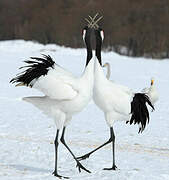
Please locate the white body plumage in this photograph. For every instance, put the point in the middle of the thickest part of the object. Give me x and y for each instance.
(113, 99)
(65, 94)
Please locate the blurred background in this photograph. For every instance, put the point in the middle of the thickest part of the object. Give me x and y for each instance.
(132, 27)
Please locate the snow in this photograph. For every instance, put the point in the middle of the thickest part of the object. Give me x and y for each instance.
(26, 135)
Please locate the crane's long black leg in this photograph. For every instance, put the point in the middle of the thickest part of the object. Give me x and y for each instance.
(55, 173)
(114, 167)
(91, 152)
(79, 165)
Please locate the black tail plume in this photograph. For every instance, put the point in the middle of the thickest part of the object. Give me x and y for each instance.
(35, 68)
(139, 111)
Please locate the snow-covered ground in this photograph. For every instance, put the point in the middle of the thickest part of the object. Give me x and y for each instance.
(26, 135)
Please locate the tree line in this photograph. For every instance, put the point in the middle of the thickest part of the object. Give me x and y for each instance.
(135, 28)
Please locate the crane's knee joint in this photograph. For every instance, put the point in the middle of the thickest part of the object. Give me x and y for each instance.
(112, 138)
(56, 143)
(62, 140)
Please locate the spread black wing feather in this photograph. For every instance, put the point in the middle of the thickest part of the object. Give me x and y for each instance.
(139, 111)
(36, 67)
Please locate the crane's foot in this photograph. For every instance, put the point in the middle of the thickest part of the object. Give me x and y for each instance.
(83, 157)
(80, 166)
(112, 168)
(60, 177)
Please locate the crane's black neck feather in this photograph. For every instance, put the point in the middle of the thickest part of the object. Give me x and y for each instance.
(36, 67)
(98, 46)
(88, 45)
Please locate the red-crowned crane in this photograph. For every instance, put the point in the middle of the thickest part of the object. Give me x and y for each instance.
(116, 101)
(65, 94)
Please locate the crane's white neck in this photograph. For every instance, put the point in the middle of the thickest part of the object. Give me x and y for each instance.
(98, 71)
(152, 87)
(107, 65)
